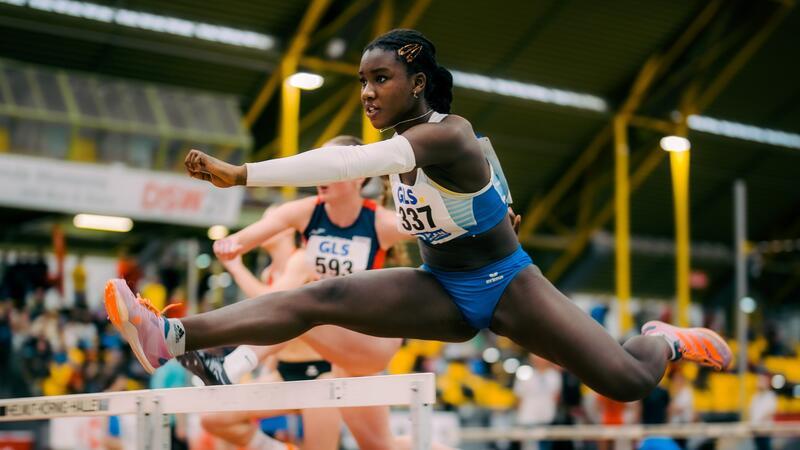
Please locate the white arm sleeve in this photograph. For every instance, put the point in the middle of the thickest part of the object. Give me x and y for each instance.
(334, 163)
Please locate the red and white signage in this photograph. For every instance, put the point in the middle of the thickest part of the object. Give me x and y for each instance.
(70, 187)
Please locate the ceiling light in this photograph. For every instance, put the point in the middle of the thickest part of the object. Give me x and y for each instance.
(528, 91)
(675, 144)
(743, 131)
(151, 22)
(306, 81)
(103, 223)
(335, 48)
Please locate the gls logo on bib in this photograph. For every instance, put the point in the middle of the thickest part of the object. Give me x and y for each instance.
(334, 248)
(406, 196)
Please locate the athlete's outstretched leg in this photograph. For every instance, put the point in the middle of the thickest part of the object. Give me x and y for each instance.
(398, 302)
(533, 313)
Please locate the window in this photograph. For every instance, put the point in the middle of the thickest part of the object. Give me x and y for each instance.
(51, 92)
(84, 96)
(20, 87)
(32, 137)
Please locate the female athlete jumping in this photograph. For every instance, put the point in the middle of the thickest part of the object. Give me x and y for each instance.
(454, 199)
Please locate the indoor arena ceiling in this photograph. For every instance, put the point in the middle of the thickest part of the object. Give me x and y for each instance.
(733, 61)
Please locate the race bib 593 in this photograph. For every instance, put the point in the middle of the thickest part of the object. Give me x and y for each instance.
(335, 256)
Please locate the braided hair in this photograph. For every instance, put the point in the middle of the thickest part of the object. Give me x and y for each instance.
(418, 54)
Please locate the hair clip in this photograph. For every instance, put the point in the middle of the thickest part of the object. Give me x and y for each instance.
(409, 51)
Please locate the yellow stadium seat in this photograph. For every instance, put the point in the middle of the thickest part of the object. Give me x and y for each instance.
(402, 361)
(775, 364)
(82, 149)
(690, 371)
(494, 396)
(756, 348)
(56, 383)
(792, 372)
(703, 401)
(75, 356)
(4, 142)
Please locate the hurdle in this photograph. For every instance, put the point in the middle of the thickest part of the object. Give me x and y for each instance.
(152, 406)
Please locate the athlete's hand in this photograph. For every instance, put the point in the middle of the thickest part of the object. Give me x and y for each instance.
(219, 173)
(232, 263)
(515, 219)
(227, 248)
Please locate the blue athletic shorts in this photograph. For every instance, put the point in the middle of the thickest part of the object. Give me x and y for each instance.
(476, 292)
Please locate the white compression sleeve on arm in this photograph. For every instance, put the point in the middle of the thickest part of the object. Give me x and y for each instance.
(334, 163)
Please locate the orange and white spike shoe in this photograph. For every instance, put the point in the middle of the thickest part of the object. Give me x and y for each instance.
(139, 322)
(699, 345)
